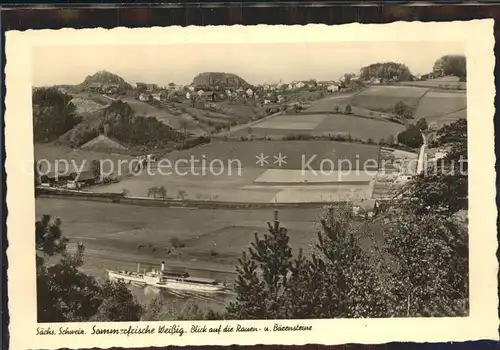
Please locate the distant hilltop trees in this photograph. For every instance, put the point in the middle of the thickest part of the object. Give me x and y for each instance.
(455, 65)
(386, 71)
(217, 79)
(106, 82)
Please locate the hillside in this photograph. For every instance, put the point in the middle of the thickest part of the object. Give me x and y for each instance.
(213, 79)
(121, 122)
(104, 78)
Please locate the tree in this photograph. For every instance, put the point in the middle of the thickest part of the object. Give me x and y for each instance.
(162, 309)
(65, 294)
(422, 124)
(153, 191)
(162, 192)
(411, 137)
(48, 236)
(444, 185)
(53, 114)
(184, 125)
(118, 304)
(262, 276)
(402, 110)
(36, 174)
(95, 166)
(182, 195)
(349, 286)
(431, 254)
(455, 65)
(336, 281)
(347, 78)
(386, 71)
(348, 109)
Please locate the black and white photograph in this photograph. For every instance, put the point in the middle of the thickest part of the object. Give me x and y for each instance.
(249, 181)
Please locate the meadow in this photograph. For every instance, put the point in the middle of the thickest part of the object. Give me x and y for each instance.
(144, 109)
(231, 175)
(212, 235)
(435, 104)
(294, 151)
(440, 83)
(384, 98)
(358, 127)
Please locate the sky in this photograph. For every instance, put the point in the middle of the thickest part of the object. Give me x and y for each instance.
(256, 63)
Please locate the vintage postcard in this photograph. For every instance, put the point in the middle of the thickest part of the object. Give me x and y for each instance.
(251, 185)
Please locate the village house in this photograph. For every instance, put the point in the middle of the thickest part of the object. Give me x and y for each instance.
(332, 88)
(299, 85)
(151, 87)
(86, 178)
(145, 97)
(188, 95)
(95, 87)
(249, 92)
(157, 96)
(209, 96)
(200, 93)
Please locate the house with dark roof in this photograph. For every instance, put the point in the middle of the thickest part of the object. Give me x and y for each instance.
(86, 177)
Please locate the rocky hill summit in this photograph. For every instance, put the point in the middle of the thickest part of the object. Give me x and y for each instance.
(212, 79)
(105, 78)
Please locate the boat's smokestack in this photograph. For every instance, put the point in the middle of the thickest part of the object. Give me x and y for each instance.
(162, 266)
(138, 268)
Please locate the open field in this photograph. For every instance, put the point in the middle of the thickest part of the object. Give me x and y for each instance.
(227, 171)
(384, 98)
(322, 124)
(328, 104)
(442, 83)
(435, 104)
(211, 238)
(147, 231)
(144, 109)
(294, 151)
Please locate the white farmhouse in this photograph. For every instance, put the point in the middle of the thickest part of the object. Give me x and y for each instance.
(249, 92)
(332, 88)
(200, 93)
(191, 88)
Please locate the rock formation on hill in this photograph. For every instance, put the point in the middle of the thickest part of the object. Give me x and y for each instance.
(212, 79)
(103, 79)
